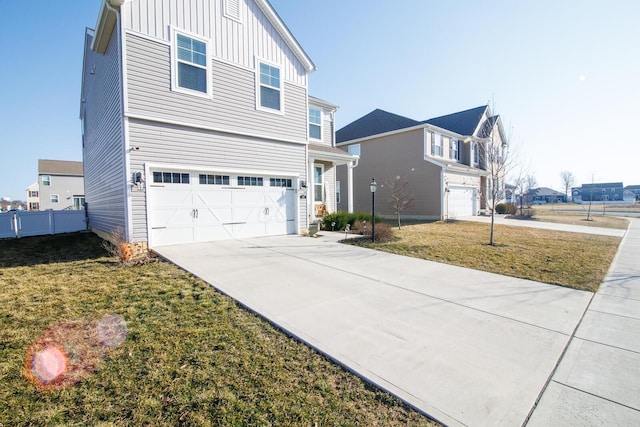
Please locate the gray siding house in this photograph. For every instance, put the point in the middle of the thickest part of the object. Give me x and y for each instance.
(198, 125)
(443, 160)
(60, 185)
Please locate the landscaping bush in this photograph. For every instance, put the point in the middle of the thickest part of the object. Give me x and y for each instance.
(341, 220)
(506, 208)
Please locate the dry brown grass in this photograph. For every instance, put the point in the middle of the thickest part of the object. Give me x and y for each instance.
(573, 260)
(191, 356)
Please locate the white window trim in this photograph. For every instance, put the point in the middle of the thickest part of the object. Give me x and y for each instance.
(51, 196)
(174, 64)
(259, 107)
(48, 180)
(315, 124)
(475, 158)
(230, 15)
(454, 147)
(436, 142)
(359, 150)
(321, 183)
(338, 195)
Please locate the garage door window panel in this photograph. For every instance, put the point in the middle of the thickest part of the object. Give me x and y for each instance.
(171, 178)
(214, 179)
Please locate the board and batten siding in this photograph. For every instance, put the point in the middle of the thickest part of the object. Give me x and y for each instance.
(232, 107)
(205, 150)
(238, 42)
(103, 141)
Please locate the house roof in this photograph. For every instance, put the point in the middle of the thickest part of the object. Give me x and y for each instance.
(463, 122)
(603, 185)
(632, 187)
(59, 167)
(376, 122)
(546, 191)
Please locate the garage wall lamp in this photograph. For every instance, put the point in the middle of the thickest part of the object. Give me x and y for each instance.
(137, 180)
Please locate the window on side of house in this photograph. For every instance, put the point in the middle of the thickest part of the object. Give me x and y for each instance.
(191, 66)
(436, 145)
(318, 184)
(53, 198)
(270, 89)
(338, 192)
(46, 180)
(476, 153)
(454, 149)
(33, 194)
(315, 123)
(354, 150)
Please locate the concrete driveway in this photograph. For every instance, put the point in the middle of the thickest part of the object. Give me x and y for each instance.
(463, 346)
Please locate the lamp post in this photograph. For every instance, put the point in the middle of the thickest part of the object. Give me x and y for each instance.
(373, 187)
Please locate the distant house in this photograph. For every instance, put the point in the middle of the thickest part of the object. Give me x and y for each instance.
(635, 189)
(443, 160)
(598, 192)
(61, 185)
(33, 196)
(546, 195)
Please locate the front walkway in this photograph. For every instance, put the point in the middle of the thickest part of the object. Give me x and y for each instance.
(464, 346)
(598, 379)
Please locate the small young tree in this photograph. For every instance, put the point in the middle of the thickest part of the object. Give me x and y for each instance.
(567, 181)
(399, 199)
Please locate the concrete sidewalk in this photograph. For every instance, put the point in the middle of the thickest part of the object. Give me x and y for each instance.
(598, 379)
(585, 229)
(464, 346)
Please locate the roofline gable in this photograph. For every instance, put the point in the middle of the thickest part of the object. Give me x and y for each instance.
(284, 31)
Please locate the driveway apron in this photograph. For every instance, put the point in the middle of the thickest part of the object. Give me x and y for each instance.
(463, 346)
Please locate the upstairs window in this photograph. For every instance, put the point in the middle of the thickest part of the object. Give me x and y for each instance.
(476, 153)
(270, 91)
(33, 194)
(53, 198)
(46, 180)
(454, 149)
(354, 150)
(191, 68)
(436, 145)
(315, 123)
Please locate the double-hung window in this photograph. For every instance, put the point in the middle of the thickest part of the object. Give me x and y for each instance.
(191, 67)
(436, 145)
(270, 87)
(454, 149)
(315, 123)
(476, 153)
(318, 184)
(46, 180)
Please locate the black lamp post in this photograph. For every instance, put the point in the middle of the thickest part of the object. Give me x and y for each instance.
(373, 187)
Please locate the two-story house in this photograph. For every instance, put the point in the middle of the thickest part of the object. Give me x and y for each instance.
(60, 185)
(198, 125)
(33, 196)
(445, 161)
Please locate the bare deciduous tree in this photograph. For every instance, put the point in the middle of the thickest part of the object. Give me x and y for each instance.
(399, 199)
(567, 181)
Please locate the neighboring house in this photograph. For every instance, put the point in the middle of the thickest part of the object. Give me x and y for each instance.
(443, 159)
(199, 127)
(546, 195)
(61, 185)
(635, 189)
(33, 196)
(598, 192)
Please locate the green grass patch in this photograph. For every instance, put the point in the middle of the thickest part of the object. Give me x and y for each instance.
(574, 260)
(191, 355)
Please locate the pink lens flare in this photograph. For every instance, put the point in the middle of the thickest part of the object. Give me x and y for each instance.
(49, 364)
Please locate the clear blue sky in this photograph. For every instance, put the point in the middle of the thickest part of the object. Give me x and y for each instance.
(564, 75)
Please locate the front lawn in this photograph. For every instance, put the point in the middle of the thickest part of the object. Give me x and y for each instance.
(188, 355)
(574, 260)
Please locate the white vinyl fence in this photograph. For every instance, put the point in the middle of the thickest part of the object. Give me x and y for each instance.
(22, 224)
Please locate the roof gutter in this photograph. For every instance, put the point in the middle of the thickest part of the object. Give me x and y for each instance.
(106, 23)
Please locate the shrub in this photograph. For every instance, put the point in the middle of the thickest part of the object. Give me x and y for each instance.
(506, 208)
(341, 219)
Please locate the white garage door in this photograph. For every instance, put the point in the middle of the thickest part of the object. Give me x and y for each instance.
(187, 207)
(462, 202)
